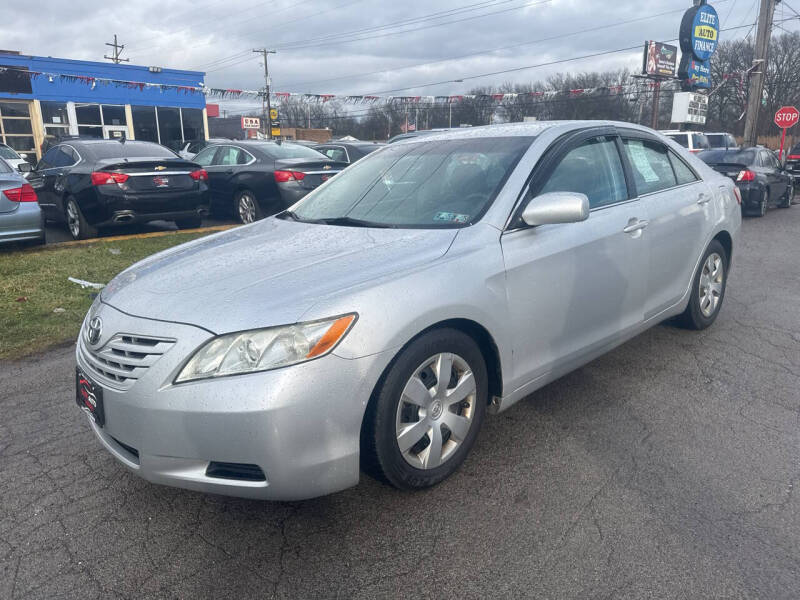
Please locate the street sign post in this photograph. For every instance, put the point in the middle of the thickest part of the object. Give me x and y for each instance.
(785, 118)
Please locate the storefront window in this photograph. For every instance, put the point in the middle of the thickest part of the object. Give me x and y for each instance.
(90, 131)
(54, 113)
(88, 114)
(169, 127)
(113, 115)
(192, 124)
(144, 123)
(15, 126)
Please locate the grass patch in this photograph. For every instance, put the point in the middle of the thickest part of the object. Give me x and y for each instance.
(33, 283)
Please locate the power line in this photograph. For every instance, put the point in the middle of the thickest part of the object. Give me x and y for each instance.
(489, 51)
(332, 42)
(515, 69)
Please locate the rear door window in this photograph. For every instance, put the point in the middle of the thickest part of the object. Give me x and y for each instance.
(60, 156)
(595, 169)
(652, 170)
(683, 173)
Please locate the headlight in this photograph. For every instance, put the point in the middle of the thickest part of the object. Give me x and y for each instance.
(264, 349)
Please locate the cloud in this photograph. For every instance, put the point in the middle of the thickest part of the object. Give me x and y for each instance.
(356, 46)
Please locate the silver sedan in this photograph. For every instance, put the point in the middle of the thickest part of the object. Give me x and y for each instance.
(21, 218)
(375, 324)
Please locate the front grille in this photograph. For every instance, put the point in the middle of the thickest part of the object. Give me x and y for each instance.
(124, 358)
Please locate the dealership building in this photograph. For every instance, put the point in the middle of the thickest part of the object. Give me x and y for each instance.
(42, 97)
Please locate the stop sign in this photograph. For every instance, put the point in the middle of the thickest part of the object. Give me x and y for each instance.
(787, 117)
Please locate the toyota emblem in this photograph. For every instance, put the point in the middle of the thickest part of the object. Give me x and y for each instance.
(94, 330)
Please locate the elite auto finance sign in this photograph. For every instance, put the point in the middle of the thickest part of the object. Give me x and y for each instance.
(699, 32)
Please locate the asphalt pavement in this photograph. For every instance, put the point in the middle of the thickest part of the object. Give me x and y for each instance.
(665, 469)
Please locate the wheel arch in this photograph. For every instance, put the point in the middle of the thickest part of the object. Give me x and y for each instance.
(724, 238)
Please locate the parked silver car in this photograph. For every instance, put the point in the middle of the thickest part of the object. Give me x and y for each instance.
(16, 160)
(376, 322)
(21, 218)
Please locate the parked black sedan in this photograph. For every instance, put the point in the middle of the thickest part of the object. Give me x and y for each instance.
(255, 179)
(348, 152)
(758, 174)
(89, 184)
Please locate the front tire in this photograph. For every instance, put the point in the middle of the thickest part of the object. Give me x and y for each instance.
(77, 224)
(708, 289)
(426, 414)
(246, 207)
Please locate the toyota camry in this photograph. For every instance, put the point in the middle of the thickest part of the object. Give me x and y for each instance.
(376, 323)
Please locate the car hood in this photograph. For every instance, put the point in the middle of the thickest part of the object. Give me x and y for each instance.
(268, 273)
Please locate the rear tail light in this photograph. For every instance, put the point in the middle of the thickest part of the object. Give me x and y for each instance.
(794, 156)
(199, 175)
(105, 178)
(738, 195)
(21, 194)
(284, 176)
(746, 176)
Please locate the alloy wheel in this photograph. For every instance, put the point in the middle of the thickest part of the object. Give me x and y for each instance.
(711, 280)
(247, 208)
(73, 219)
(436, 410)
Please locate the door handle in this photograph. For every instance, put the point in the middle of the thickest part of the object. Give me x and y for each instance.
(703, 199)
(636, 225)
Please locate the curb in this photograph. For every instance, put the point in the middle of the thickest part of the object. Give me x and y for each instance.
(134, 236)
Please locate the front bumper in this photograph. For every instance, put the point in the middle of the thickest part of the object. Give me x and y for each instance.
(300, 425)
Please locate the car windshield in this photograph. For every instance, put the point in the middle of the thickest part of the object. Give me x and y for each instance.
(129, 150)
(446, 183)
(739, 157)
(6, 152)
(279, 151)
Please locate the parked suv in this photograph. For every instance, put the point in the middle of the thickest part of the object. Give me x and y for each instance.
(89, 184)
(694, 141)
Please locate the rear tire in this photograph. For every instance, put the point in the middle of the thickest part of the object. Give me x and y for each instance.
(762, 206)
(708, 289)
(417, 433)
(189, 223)
(786, 200)
(79, 228)
(246, 208)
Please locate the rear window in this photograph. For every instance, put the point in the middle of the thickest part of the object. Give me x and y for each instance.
(129, 150)
(681, 138)
(719, 140)
(4, 167)
(6, 152)
(739, 157)
(290, 151)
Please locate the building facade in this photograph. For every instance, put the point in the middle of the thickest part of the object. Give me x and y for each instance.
(50, 98)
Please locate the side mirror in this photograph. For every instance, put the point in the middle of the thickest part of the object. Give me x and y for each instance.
(25, 167)
(556, 207)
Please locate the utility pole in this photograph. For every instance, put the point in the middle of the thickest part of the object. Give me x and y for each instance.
(656, 103)
(117, 51)
(756, 91)
(268, 108)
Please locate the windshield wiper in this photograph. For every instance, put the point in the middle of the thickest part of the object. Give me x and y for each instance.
(351, 222)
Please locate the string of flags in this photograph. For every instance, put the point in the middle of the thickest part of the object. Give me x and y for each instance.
(234, 93)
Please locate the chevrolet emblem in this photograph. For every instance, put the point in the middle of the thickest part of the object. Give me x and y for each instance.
(161, 168)
(326, 167)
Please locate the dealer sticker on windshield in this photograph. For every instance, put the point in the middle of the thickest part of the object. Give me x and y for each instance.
(451, 217)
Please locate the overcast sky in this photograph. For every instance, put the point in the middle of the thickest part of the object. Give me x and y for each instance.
(359, 46)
